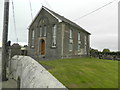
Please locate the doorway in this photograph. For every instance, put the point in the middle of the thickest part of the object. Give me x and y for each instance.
(42, 47)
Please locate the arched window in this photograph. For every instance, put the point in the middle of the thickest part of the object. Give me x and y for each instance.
(54, 29)
(40, 31)
(70, 33)
(85, 40)
(45, 30)
(79, 42)
(33, 38)
(71, 40)
(78, 36)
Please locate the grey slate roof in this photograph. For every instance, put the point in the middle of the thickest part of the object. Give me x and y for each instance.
(63, 19)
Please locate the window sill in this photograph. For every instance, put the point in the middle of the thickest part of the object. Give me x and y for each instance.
(71, 41)
(42, 36)
(32, 47)
(79, 42)
(79, 53)
(53, 47)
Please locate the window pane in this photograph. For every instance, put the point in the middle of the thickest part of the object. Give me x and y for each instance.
(32, 39)
(54, 35)
(54, 30)
(70, 41)
(85, 40)
(85, 44)
(54, 41)
(70, 46)
(85, 49)
(40, 31)
(45, 29)
(78, 47)
(33, 34)
(70, 33)
(79, 36)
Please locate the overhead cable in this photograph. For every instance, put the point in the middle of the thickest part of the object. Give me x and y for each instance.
(14, 21)
(31, 9)
(95, 10)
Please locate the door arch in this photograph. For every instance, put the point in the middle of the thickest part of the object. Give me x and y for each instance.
(42, 47)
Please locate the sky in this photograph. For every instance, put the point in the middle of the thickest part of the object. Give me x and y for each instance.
(102, 24)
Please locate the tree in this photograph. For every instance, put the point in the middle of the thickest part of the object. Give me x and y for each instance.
(93, 52)
(106, 50)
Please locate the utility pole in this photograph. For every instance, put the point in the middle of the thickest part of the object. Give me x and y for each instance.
(118, 42)
(4, 39)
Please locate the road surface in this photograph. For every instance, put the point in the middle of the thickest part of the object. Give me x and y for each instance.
(6, 84)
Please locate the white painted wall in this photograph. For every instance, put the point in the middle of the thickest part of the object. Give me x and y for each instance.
(32, 74)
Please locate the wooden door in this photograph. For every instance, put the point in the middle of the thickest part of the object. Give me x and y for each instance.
(42, 47)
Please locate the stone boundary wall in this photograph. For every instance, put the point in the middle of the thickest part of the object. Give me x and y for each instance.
(0, 68)
(30, 74)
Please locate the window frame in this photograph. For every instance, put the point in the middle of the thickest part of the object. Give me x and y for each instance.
(54, 33)
(79, 42)
(40, 31)
(85, 41)
(70, 47)
(33, 38)
(71, 34)
(71, 40)
(45, 31)
(79, 38)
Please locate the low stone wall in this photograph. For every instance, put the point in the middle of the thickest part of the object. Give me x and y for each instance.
(30, 74)
(0, 68)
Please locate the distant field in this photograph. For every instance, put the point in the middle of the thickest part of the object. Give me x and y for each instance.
(85, 72)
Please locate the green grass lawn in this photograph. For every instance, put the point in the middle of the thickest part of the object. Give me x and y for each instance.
(85, 72)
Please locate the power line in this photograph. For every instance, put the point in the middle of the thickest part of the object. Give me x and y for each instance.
(14, 21)
(31, 9)
(94, 10)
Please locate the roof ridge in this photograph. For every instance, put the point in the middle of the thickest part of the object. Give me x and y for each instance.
(66, 20)
(62, 18)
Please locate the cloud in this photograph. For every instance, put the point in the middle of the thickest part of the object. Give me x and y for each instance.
(102, 24)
